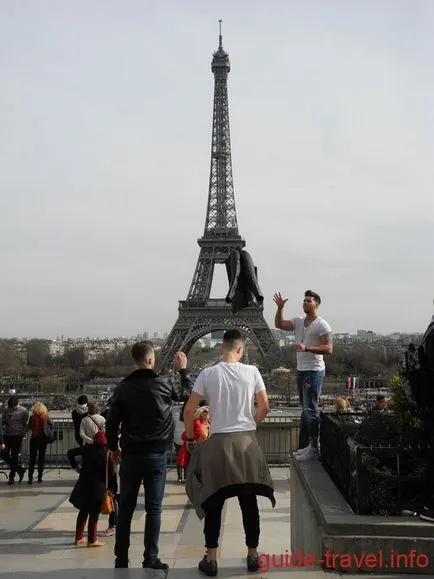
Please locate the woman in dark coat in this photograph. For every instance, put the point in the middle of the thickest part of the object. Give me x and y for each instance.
(88, 493)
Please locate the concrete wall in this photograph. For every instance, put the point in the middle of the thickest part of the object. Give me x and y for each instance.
(323, 525)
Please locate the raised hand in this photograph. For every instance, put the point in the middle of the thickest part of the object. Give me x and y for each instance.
(279, 300)
(180, 361)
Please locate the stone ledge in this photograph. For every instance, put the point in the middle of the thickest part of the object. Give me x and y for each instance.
(321, 521)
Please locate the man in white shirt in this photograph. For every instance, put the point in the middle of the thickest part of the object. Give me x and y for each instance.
(230, 463)
(313, 340)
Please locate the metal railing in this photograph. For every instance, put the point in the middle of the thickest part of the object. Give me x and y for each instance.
(335, 430)
(55, 455)
(389, 479)
(278, 438)
(380, 479)
(277, 435)
(212, 303)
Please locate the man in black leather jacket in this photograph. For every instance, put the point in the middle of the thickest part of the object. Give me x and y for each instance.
(142, 408)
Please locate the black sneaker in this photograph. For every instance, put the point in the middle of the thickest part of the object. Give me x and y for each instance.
(155, 564)
(119, 564)
(427, 515)
(21, 473)
(208, 567)
(252, 563)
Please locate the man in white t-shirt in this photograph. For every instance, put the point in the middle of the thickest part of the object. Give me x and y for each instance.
(231, 455)
(313, 340)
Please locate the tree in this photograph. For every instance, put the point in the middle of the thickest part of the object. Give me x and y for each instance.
(50, 384)
(60, 401)
(11, 362)
(75, 358)
(283, 382)
(38, 352)
(123, 357)
(272, 359)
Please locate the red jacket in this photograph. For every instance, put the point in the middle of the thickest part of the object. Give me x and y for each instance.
(37, 425)
(184, 456)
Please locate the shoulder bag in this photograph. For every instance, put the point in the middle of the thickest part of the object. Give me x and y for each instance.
(108, 502)
(50, 433)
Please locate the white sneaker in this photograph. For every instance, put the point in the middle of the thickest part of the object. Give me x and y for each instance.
(302, 450)
(310, 454)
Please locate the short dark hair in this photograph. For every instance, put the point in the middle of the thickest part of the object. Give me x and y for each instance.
(13, 401)
(232, 338)
(380, 397)
(82, 399)
(311, 294)
(141, 350)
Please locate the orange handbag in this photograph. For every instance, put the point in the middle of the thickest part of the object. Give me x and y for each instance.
(108, 502)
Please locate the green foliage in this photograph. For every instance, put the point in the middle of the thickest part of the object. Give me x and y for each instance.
(75, 357)
(11, 362)
(38, 352)
(403, 410)
(390, 473)
(380, 498)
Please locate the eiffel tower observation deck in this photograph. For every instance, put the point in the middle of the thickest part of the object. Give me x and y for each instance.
(199, 314)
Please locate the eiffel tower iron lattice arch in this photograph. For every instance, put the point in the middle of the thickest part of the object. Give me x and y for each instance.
(199, 315)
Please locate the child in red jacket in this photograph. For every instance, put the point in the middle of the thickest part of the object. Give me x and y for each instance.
(201, 430)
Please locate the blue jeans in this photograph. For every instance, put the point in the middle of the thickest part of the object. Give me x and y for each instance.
(309, 384)
(135, 469)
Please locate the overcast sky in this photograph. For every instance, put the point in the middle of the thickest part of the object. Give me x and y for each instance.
(105, 133)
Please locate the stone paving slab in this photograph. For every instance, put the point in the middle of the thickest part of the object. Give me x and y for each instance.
(225, 572)
(37, 531)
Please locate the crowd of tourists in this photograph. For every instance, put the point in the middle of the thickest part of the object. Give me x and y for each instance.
(214, 434)
(15, 423)
(218, 455)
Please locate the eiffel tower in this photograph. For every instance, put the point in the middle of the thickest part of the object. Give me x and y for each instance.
(198, 314)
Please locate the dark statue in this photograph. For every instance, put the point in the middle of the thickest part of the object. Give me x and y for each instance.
(243, 280)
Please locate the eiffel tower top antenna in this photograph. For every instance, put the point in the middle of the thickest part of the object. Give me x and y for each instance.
(220, 35)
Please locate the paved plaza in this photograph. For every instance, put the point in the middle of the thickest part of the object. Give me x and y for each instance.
(37, 532)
